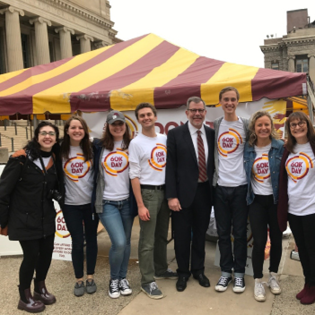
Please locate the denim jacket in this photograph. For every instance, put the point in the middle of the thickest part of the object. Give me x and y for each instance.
(274, 156)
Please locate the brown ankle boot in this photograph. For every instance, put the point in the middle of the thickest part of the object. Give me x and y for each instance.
(41, 293)
(31, 305)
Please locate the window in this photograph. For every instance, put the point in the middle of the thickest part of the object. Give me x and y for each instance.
(275, 65)
(301, 64)
(25, 50)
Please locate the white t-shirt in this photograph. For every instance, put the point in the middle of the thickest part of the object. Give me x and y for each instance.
(78, 178)
(231, 142)
(261, 180)
(116, 173)
(147, 158)
(301, 180)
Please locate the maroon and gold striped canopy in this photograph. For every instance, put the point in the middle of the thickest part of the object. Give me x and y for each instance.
(144, 69)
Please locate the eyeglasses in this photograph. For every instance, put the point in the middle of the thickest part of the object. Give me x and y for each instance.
(301, 123)
(194, 111)
(45, 133)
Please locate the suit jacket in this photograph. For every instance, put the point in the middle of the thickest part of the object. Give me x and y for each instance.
(182, 166)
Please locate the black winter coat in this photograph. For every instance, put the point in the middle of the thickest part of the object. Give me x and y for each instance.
(24, 205)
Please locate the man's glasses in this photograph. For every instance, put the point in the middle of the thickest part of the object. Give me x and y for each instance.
(301, 123)
(194, 111)
(45, 133)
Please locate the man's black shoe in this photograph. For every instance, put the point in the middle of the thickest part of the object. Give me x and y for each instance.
(203, 280)
(181, 283)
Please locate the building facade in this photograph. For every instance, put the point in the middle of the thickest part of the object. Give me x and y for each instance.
(294, 52)
(34, 32)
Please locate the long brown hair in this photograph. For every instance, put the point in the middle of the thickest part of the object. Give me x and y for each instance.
(85, 143)
(107, 139)
(252, 137)
(291, 142)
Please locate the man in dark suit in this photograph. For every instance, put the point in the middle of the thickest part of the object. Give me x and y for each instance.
(189, 172)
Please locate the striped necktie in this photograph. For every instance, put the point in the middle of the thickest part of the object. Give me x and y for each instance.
(201, 159)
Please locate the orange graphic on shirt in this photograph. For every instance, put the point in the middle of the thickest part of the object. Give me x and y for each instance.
(158, 157)
(260, 168)
(116, 162)
(77, 167)
(229, 141)
(298, 166)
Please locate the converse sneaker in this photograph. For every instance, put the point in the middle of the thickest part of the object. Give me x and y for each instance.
(114, 291)
(223, 283)
(239, 285)
(274, 284)
(259, 291)
(124, 287)
(152, 291)
(168, 274)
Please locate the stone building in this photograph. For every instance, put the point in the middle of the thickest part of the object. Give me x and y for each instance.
(34, 32)
(295, 51)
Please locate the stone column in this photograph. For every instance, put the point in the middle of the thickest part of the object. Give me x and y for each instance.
(41, 39)
(13, 38)
(65, 41)
(85, 42)
(311, 67)
(291, 65)
(101, 44)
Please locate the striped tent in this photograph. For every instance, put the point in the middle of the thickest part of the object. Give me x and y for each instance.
(144, 69)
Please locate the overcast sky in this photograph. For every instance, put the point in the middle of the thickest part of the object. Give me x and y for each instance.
(226, 30)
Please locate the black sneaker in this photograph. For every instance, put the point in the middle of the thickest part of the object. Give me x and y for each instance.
(223, 283)
(168, 274)
(239, 285)
(114, 291)
(152, 291)
(124, 287)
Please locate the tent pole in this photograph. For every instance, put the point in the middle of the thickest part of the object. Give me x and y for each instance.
(35, 122)
(310, 99)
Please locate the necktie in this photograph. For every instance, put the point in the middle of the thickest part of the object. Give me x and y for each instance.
(201, 159)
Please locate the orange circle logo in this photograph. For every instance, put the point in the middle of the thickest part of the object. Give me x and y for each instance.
(229, 141)
(116, 162)
(158, 157)
(298, 166)
(77, 167)
(61, 228)
(261, 168)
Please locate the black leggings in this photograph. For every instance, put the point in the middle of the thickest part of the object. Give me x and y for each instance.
(263, 212)
(37, 256)
(303, 228)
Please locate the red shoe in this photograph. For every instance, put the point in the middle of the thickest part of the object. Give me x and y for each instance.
(32, 306)
(309, 297)
(43, 295)
(303, 292)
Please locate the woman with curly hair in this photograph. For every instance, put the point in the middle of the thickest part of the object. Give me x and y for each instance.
(262, 156)
(28, 183)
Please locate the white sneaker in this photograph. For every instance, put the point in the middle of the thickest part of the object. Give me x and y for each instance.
(274, 284)
(223, 283)
(124, 287)
(259, 291)
(114, 291)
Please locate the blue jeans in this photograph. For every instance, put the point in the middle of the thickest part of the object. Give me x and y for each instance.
(74, 216)
(117, 220)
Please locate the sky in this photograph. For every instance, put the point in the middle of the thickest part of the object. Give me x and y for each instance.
(226, 30)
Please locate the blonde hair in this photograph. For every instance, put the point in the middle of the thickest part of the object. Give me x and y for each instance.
(252, 138)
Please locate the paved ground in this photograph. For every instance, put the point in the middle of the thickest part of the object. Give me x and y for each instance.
(194, 300)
